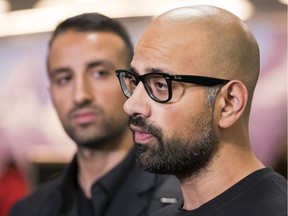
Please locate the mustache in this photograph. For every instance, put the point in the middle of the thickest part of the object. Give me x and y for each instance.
(82, 106)
(143, 123)
(138, 121)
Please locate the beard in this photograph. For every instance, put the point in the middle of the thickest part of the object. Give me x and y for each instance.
(104, 135)
(183, 157)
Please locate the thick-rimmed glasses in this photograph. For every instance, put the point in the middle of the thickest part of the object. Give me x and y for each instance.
(159, 86)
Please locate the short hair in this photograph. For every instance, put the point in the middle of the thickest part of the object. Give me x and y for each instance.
(211, 94)
(94, 22)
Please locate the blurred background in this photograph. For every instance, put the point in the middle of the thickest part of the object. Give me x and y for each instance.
(33, 145)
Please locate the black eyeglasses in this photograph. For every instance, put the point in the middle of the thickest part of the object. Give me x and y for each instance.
(159, 86)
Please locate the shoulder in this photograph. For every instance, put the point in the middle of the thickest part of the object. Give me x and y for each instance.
(167, 193)
(170, 210)
(272, 193)
(263, 192)
(270, 182)
(48, 198)
(278, 181)
(168, 187)
(40, 198)
(157, 190)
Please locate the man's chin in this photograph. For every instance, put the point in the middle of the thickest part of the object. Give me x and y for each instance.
(149, 160)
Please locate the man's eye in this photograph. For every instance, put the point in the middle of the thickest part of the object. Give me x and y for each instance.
(99, 73)
(131, 80)
(134, 82)
(63, 80)
(161, 85)
(158, 84)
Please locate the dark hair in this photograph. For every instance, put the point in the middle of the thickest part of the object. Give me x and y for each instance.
(94, 22)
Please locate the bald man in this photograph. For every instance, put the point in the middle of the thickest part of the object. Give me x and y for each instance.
(189, 92)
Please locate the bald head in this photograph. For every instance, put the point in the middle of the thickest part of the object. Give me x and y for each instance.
(203, 40)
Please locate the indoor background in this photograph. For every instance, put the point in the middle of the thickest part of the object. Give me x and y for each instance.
(30, 133)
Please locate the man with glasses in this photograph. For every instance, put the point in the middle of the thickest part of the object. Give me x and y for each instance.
(103, 179)
(189, 92)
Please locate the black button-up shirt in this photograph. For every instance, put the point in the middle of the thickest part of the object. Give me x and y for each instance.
(103, 190)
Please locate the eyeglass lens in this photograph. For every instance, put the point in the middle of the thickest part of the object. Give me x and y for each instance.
(155, 85)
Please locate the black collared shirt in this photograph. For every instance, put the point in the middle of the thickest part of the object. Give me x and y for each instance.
(139, 194)
(104, 189)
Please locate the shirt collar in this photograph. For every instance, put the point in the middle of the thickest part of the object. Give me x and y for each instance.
(112, 180)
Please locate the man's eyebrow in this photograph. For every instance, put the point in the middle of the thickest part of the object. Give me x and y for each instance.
(101, 63)
(59, 70)
(153, 70)
(159, 70)
(91, 64)
(133, 70)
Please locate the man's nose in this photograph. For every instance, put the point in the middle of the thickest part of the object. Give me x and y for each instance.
(138, 102)
(83, 91)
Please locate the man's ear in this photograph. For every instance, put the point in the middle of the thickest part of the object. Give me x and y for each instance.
(233, 103)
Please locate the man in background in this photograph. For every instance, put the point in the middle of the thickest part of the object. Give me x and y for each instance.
(190, 92)
(103, 178)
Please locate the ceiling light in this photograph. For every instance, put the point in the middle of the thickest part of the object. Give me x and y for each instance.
(52, 3)
(4, 6)
(44, 19)
(283, 2)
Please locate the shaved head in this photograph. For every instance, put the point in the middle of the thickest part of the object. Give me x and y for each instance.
(211, 121)
(207, 41)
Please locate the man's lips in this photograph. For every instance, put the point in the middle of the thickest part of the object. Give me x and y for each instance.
(141, 136)
(84, 116)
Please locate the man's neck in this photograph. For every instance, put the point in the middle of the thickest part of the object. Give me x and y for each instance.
(220, 176)
(94, 164)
